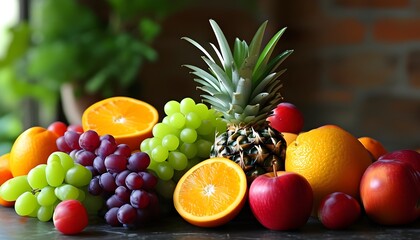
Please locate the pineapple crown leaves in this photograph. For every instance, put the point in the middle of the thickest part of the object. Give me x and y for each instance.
(242, 85)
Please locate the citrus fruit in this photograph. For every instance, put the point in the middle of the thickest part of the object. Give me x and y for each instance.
(211, 193)
(5, 175)
(373, 146)
(4, 160)
(289, 137)
(331, 159)
(31, 148)
(129, 120)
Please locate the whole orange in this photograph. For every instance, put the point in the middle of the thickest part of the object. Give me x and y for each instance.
(331, 159)
(373, 146)
(5, 175)
(31, 148)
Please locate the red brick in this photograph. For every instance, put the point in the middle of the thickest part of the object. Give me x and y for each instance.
(373, 3)
(361, 70)
(413, 69)
(397, 30)
(394, 120)
(346, 31)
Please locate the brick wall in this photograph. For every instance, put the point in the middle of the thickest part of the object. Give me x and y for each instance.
(356, 62)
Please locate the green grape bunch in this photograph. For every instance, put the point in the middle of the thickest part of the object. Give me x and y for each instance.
(183, 139)
(46, 185)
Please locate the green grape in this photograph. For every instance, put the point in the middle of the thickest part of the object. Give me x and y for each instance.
(187, 105)
(154, 142)
(93, 203)
(159, 154)
(206, 127)
(165, 120)
(165, 171)
(189, 149)
(45, 213)
(203, 148)
(55, 173)
(82, 195)
(14, 187)
(54, 157)
(202, 110)
(160, 130)
(144, 145)
(66, 192)
(78, 176)
(177, 120)
(165, 188)
(37, 178)
(170, 142)
(34, 212)
(47, 196)
(66, 161)
(192, 120)
(25, 204)
(177, 160)
(153, 165)
(188, 135)
(171, 107)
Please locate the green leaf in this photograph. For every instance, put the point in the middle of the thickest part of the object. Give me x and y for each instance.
(255, 45)
(240, 52)
(197, 45)
(266, 54)
(20, 38)
(220, 75)
(223, 45)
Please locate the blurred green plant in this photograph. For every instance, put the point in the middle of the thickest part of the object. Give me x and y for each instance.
(97, 46)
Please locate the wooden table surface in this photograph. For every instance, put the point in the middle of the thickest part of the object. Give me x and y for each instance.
(172, 226)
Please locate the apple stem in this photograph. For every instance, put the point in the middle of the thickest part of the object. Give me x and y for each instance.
(274, 168)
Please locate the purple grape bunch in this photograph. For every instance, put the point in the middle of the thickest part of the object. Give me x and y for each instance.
(119, 175)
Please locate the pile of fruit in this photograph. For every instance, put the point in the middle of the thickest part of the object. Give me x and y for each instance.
(242, 145)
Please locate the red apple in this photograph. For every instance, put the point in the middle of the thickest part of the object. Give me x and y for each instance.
(70, 217)
(286, 118)
(338, 210)
(406, 155)
(390, 192)
(281, 200)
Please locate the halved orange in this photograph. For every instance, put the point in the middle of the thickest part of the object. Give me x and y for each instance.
(129, 120)
(211, 193)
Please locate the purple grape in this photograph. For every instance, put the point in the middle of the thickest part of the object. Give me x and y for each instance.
(89, 140)
(115, 163)
(127, 214)
(139, 199)
(92, 170)
(94, 186)
(123, 150)
(109, 138)
(62, 145)
(111, 217)
(84, 157)
(107, 182)
(149, 180)
(98, 164)
(106, 148)
(133, 181)
(114, 201)
(120, 178)
(144, 215)
(72, 139)
(138, 161)
(123, 194)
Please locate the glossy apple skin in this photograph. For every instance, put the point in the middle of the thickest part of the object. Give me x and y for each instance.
(286, 117)
(390, 192)
(70, 217)
(405, 155)
(282, 202)
(338, 210)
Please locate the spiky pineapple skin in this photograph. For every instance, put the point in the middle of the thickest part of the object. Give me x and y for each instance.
(256, 149)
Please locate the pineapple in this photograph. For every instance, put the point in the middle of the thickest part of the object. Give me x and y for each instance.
(243, 85)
